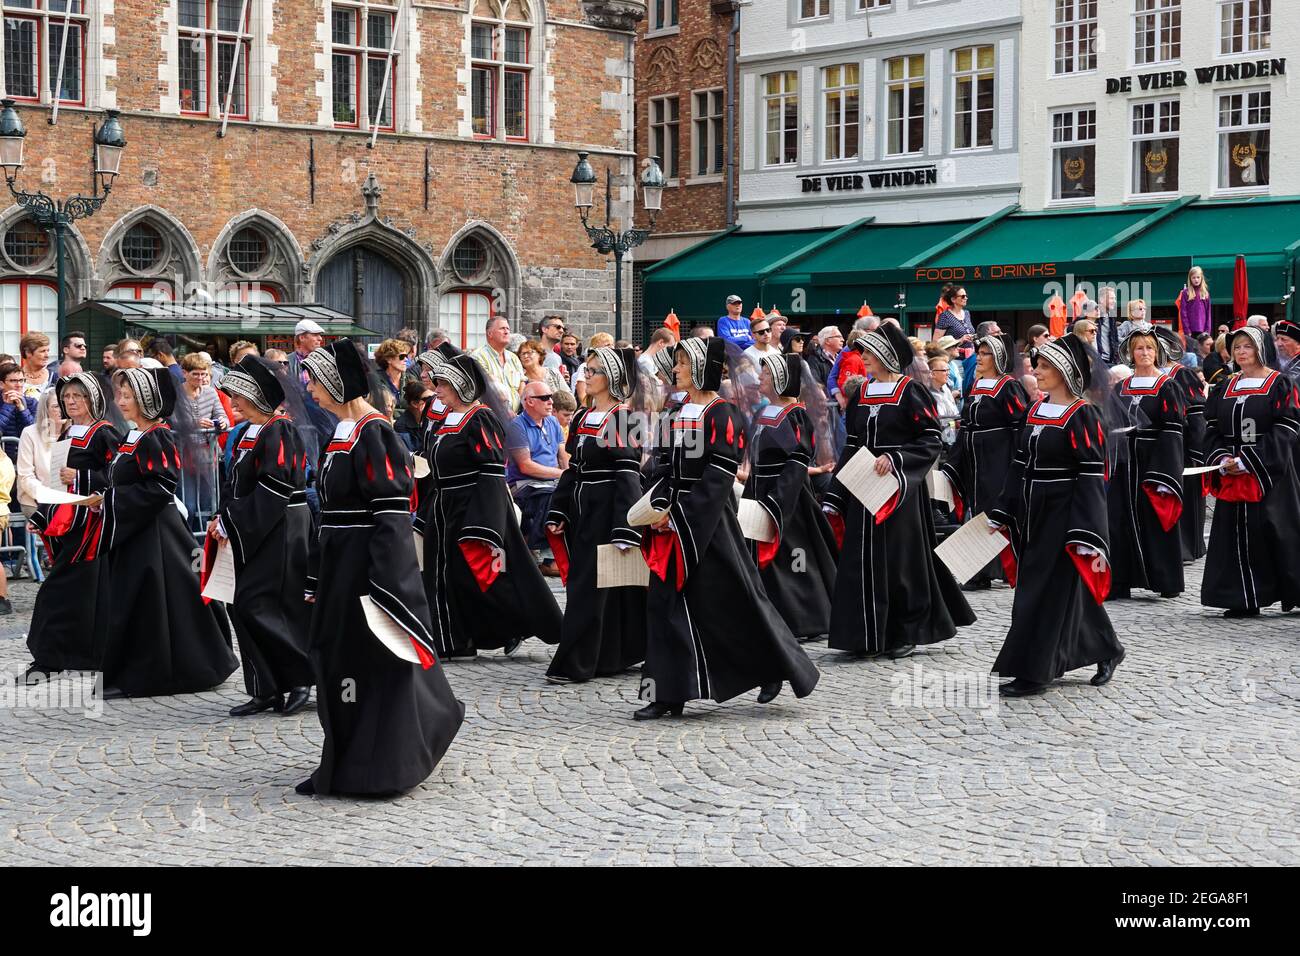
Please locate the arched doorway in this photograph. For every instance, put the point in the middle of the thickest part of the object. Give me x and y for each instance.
(366, 285)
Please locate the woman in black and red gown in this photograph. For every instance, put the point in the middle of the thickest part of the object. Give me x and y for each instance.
(160, 638)
(604, 628)
(711, 631)
(484, 588)
(1252, 426)
(63, 635)
(264, 518)
(1053, 508)
(388, 719)
(1191, 523)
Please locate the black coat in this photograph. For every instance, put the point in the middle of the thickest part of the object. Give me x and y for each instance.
(64, 634)
(1251, 563)
(160, 637)
(604, 628)
(483, 586)
(1054, 503)
(1148, 461)
(890, 589)
(387, 721)
(265, 518)
(1191, 524)
(798, 568)
(711, 631)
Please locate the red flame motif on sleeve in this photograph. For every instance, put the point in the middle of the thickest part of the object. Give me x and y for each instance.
(1074, 442)
(1101, 437)
(281, 460)
(370, 472)
(388, 467)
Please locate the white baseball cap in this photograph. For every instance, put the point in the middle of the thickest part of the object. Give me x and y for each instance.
(307, 325)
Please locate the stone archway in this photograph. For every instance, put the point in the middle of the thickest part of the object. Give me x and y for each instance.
(78, 265)
(282, 266)
(178, 262)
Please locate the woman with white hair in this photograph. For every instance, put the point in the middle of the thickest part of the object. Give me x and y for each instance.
(34, 450)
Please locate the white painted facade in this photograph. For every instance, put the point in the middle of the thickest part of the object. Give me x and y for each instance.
(1202, 159)
(955, 181)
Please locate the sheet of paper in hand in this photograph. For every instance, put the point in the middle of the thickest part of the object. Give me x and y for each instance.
(221, 582)
(940, 487)
(859, 476)
(755, 523)
(56, 496)
(641, 514)
(1205, 470)
(58, 461)
(386, 630)
(616, 568)
(971, 547)
(421, 469)
(419, 548)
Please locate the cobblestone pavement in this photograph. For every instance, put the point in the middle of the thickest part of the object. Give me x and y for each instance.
(1189, 756)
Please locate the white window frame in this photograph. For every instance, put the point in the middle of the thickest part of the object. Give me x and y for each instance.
(1164, 20)
(1163, 123)
(664, 16)
(708, 131)
(1249, 22)
(1223, 132)
(212, 37)
(874, 5)
(821, 10)
(666, 134)
(499, 67)
(1074, 37)
(782, 98)
(907, 84)
(849, 152)
(1077, 127)
(46, 58)
(362, 53)
(974, 75)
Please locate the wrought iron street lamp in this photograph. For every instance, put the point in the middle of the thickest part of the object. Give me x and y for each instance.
(53, 215)
(603, 238)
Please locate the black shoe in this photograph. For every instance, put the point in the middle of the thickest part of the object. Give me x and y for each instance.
(298, 698)
(656, 710)
(1242, 612)
(257, 705)
(1106, 669)
(977, 585)
(34, 674)
(307, 788)
(768, 692)
(5, 606)
(512, 646)
(559, 679)
(1170, 594)
(461, 654)
(1020, 688)
(903, 650)
(113, 693)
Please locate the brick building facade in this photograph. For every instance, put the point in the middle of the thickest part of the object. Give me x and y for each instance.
(682, 109)
(462, 208)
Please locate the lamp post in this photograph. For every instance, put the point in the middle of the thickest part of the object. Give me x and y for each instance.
(604, 239)
(52, 215)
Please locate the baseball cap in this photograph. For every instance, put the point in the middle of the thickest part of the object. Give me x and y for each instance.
(307, 325)
(732, 299)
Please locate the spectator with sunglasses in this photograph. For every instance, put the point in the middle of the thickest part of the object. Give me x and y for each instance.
(535, 442)
(551, 330)
(955, 319)
(410, 423)
(761, 330)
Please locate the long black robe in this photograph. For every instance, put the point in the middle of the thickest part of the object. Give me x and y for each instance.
(659, 459)
(1146, 543)
(387, 721)
(63, 634)
(161, 638)
(890, 589)
(483, 586)
(798, 568)
(1054, 503)
(1251, 561)
(1191, 523)
(266, 520)
(711, 631)
(978, 464)
(604, 628)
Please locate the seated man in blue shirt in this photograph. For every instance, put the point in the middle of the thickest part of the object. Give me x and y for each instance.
(733, 326)
(535, 443)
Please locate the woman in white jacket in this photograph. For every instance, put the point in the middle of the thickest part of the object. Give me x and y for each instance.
(34, 450)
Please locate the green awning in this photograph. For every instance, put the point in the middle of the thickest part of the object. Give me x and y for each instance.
(1011, 261)
(245, 318)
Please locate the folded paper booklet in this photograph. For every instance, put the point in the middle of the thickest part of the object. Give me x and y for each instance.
(386, 630)
(641, 513)
(859, 476)
(58, 461)
(755, 523)
(1204, 470)
(970, 548)
(221, 581)
(53, 496)
(419, 548)
(421, 466)
(616, 568)
(940, 487)
(519, 515)
(738, 490)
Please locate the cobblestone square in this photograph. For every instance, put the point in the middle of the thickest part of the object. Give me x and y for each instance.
(1188, 757)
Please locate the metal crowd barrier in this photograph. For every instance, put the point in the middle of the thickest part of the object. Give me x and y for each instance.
(16, 543)
(200, 484)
